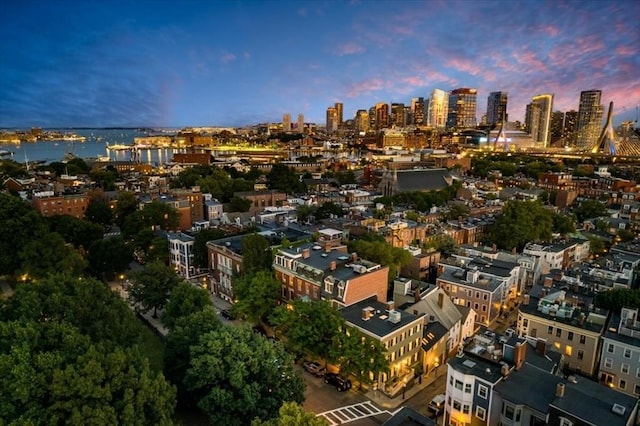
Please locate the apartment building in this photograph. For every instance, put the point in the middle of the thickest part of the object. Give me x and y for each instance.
(48, 204)
(559, 255)
(181, 254)
(620, 355)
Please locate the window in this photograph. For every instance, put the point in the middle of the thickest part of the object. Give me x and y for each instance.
(565, 422)
(456, 405)
(467, 388)
(481, 413)
(580, 354)
(568, 350)
(623, 384)
(627, 353)
(625, 368)
(550, 330)
(570, 336)
(525, 322)
(583, 339)
(458, 385)
(558, 332)
(484, 308)
(638, 373)
(610, 348)
(534, 332)
(482, 391)
(608, 363)
(485, 296)
(508, 412)
(466, 409)
(475, 306)
(451, 380)
(636, 389)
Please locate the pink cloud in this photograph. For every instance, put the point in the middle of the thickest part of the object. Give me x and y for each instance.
(550, 30)
(530, 61)
(365, 86)
(227, 57)
(349, 49)
(626, 51)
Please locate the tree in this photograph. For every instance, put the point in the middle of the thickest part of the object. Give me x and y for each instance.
(99, 211)
(200, 252)
(309, 327)
(618, 298)
(563, 224)
(382, 253)
(458, 210)
(237, 376)
(185, 299)
(596, 246)
(239, 204)
(152, 286)
(521, 222)
(126, 205)
(441, 242)
(589, 209)
(359, 355)
(257, 295)
(304, 213)
(292, 414)
(79, 232)
(284, 179)
(109, 257)
(256, 254)
(48, 254)
(327, 209)
(158, 250)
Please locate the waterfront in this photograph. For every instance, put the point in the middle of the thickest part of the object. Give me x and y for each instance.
(94, 146)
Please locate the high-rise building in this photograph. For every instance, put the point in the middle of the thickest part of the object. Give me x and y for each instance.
(462, 108)
(417, 110)
(541, 107)
(557, 126)
(372, 117)
(300, 127)
(362, 120)
(570, 125)
(527, 119)
(497, 108)
(286, 122)
(339, 111)
(382, 115)
(332, 120)
(438, 107)
(589, 119)
(397, 115)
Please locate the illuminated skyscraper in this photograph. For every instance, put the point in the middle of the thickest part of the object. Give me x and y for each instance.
(417, 109)
(541, 107)
(570, 124)
(362, 121)
(286, 122)
(372, 117)
(382, 115)
(557, 126)
(339, 110)
(589, 119)
(300, 128)
(438, 107)
(462, 108)
(397, 115)
(497, 108)
(332, 120)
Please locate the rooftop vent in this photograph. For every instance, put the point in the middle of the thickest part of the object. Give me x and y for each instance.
(395, 316)
(618, 409)
(317, 247)
(367, 313)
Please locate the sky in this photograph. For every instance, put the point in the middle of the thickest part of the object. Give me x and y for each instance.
(84, 63)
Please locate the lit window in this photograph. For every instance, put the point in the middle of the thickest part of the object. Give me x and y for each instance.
(568, 350)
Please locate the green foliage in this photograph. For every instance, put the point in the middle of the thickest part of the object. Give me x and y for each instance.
(99, 211)
(154, 214)
(239, 204)
(257, 295)
(327, 209)
(49, 254)
(563, 224)
(618, 298)
(238, 376)
(79, 232)
(284, 179)
(152, 286)
(308, 326)
(105, 179)
(200, 254)
(626, 235)
(520, 223)
(421, 201)
(109, 256)
(441, 242)
(596, 246)
(188, 178)
(382, 253)
(304, 213)
(256, 255)
(457, 210)
(184, 300)
(21, 224)
(292, 414)
(589, 209)
(126, 205)
(13, 169)
(158, 250)
(359, 355)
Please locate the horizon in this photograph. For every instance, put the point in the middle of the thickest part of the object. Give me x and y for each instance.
(79, 65)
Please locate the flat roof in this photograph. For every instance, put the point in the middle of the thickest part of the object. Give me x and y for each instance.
(378, 323)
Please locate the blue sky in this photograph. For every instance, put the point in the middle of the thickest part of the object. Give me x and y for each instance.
(232, 63)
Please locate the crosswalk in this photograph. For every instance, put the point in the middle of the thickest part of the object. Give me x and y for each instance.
(351, 413)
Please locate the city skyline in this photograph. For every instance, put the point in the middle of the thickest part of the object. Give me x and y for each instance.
(240, 63)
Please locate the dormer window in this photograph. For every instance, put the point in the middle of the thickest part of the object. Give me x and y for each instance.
(341, 289)
(328, 284)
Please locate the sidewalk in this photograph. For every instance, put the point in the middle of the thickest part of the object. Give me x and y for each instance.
(148, 317)
(382, 400)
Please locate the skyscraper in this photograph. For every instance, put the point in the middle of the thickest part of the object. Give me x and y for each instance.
(569, 130)
(541, 107)
(557, 126)
(497, 108)
(372, 117)
(397, 115)
(362, 121)
(300, 127)
(589, 119)
(339, 110)
(332, 120)
(382, 115)
(417, 109)
(286, 122)
(437, 111)
(462, 108)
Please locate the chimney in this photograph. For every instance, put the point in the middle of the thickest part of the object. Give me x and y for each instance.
(526, 300)
(327, 247)
(520, 354)
(306, 253)
(548, 281)
(332, 265)
(494, 247)
(560, 390)
(541, 347)
(504, 370)
(366, 313)
(440, 300)
(354, 256)
(390, 306)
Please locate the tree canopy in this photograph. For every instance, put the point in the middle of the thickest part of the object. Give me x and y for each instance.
(152, 286)
(589, 209)
(200, 254)
(359, 355)
(292, 414)
(256, 255)
(184, 300)
(109, 256)
(257, 295)
(520, 223)
(382, 253)
(618, 298)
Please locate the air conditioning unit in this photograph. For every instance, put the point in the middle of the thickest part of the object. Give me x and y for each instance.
(618, 409)
(395, 317)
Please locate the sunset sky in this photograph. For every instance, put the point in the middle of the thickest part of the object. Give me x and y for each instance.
(233, 63)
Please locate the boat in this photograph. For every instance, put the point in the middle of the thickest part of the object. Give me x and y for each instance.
(119, 147)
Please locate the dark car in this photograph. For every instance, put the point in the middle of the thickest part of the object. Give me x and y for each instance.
(314, 368)
(227, 314)
(337, 381)
(258, 329)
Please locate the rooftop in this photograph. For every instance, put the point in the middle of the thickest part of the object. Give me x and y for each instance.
(373, 316)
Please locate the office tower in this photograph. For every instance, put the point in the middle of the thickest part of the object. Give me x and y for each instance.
(557, 126)
(286, 122)
(606, 142)
(462, 108)
(541, 107)
(397, 115)
(382, 115)
(372, 117)
(570, 124)
(339, 108)
(408, 116)
(497, 108)
(332, 120)
(362, 121)
(589, 119)
(300, 127)
(417, 109)
(438, 107)
(527, 119)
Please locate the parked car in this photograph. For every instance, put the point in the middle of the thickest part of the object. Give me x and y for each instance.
(314, 368)
(227, 314)
(437, 404)
(258, 329)
(340, 383)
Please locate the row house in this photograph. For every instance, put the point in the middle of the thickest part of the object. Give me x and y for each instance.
(181, 254)
(620, 355)
(324, 270)
(399, 332)
(48, 204)
(195, 199)
(423, 265)
(559, 255)
(567, 321)
(486, 286)
(263, 199)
